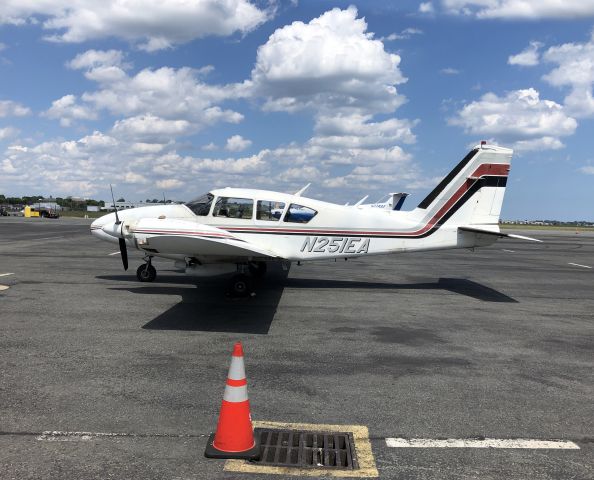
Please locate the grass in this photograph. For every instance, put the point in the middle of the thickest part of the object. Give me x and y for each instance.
(559, 228)
(81, 214)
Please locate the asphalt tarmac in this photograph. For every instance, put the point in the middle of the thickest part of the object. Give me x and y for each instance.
(496, 343)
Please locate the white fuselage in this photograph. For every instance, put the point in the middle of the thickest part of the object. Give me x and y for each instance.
(238, 225)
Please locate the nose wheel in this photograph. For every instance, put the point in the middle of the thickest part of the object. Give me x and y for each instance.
(146, 272)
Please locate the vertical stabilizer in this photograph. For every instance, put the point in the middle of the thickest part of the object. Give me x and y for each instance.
(472, 193)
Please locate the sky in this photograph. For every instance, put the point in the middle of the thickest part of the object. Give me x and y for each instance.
(179, 97)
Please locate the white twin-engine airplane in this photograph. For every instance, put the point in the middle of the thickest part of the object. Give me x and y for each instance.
(241, 230)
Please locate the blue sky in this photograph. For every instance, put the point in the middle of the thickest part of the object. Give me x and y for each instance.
(356, 98)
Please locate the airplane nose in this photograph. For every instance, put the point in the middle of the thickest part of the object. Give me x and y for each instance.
(104, 228)
(112, 229)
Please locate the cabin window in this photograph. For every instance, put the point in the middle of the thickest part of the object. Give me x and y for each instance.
(269, 210)
(201, 205)
(232, 207)
(299, 214)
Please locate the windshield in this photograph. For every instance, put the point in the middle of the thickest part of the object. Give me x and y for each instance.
(201, 205)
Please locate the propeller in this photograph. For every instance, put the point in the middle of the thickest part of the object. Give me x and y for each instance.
(121, 241)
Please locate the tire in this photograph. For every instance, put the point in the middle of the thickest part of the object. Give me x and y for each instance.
(240, 285)
(257, 269)
(146, 273)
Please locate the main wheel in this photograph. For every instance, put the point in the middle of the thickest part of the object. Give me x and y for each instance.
(240, 285)
(257, 269)
(146, 273)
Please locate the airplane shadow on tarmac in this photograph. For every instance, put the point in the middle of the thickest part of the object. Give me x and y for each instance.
(455, 285)
(207, 308)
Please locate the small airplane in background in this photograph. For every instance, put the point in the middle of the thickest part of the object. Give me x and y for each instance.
(239, 230)
(393, 201)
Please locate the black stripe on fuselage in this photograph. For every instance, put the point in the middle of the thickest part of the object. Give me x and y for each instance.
(485, 181)
(444, 183)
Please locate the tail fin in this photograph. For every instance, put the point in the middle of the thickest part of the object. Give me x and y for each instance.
(472, 193)
(398, 200)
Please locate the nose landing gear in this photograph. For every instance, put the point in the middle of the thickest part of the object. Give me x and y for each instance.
(146, 272)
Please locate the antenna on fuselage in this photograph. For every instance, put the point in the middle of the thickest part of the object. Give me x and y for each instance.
(361, 201)
(298, 194)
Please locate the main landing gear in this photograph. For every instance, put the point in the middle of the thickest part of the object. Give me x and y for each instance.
(241, 284)
(146, 272)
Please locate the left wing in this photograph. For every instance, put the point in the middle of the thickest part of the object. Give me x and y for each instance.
(191, 239)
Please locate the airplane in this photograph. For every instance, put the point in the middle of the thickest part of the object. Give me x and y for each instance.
(239, 230)
(392, 201)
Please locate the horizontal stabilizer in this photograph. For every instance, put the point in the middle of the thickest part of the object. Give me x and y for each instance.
(499, 234)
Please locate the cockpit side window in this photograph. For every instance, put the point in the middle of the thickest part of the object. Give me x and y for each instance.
(201, 205)
(299, 214)
(269, 210)
(234, 207)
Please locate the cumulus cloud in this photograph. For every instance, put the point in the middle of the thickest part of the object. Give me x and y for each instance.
(237, 143)
(520, 117)
(332, 67)
(574, 70)
(521, 9)
(67, 110)
(449, 71)
(528, 57)
(359, 131)
(8, 132)
(8, 108)
(587, 169)
(332, 63)
(179, 98)
(404, 35)
(170, 183)
(150, 24)
(150, 127)
(426, 7)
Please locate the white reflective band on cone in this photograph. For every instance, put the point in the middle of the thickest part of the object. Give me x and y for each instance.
(236, 369)
(235, 394)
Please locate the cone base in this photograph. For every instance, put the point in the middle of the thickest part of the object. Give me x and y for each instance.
(213, 452)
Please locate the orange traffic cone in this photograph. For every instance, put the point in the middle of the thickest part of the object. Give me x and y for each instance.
(234, 437)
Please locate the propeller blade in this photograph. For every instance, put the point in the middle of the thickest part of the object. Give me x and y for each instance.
(124, 252)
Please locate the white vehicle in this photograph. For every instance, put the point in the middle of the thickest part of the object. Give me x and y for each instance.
(240, 230)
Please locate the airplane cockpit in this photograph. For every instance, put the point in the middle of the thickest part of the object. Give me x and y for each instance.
(250, 209)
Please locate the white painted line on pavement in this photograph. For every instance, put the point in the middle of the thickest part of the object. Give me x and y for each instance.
(477, 443)
(5, 274)
(578, 265)
(4, 287)
(44, 238)
(61, 436)
(114, 253)
(509, 251)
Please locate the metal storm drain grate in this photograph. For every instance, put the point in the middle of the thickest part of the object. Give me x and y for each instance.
(294, 448)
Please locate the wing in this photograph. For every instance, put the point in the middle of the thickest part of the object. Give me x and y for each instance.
(192, 239)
